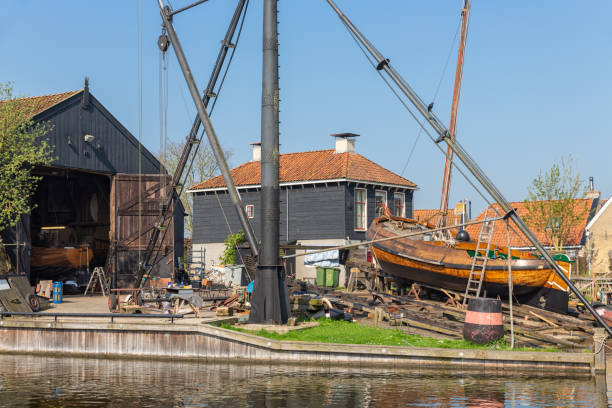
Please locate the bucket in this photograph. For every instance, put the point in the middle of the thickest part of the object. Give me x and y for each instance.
(58, 290)
(331, 277)
(320, 276)
(483, 321)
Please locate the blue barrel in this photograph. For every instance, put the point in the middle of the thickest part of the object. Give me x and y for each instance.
(58, 290)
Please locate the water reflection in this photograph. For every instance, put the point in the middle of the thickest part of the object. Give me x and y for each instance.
(32, 381)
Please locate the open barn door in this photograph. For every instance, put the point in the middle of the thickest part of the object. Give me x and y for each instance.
(136, 202)
(17, 243)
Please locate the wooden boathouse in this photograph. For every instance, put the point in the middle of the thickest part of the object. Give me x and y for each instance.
(88, 198)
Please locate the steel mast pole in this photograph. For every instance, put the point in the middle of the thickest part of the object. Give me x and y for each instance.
(269, 303)
(208, 128)
(462, 154)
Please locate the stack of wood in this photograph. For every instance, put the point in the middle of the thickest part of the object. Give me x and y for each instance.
(533, 327)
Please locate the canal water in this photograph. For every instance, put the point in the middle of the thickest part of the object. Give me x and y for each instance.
(37, 381)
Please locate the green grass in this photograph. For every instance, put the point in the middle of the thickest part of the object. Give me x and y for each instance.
(338, 331)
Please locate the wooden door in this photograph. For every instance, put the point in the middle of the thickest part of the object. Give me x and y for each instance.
(136, 203)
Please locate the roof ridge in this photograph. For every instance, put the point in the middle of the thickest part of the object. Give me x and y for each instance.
(308, 151)
(48, 95)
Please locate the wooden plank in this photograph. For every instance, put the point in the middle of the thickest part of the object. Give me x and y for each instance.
(543, 318)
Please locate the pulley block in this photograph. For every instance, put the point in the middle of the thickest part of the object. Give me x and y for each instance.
(163, 42)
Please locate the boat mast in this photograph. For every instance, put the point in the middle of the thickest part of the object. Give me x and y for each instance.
(384, 64)
(448, 165)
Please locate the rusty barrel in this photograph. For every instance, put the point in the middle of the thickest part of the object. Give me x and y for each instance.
(483, 321)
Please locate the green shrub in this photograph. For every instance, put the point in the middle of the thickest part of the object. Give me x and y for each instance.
(229, 253)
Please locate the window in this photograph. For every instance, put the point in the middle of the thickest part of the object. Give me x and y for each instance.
(399, 204)
(381, 202)
(360, 209)
(250, 211)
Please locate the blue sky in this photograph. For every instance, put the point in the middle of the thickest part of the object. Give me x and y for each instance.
(537, 83)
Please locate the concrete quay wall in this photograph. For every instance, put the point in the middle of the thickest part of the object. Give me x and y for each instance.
(174, 341)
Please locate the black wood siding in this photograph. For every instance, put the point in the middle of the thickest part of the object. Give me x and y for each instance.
(315, 212)
(118, 150)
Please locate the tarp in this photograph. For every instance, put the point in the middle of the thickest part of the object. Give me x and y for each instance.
(329, 258)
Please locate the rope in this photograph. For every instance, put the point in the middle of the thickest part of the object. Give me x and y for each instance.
(414, 116)
(510, 285)
(424, 129)
(218, 93)
(139, 23)
(450, 51)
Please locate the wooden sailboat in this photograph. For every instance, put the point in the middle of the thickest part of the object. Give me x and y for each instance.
(434, 263)
(440, 260)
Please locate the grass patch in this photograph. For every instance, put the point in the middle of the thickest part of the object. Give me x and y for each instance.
(339, 331)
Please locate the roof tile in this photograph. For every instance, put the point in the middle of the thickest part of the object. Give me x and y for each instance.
(518, 239)
(313, 166)
(38, 104)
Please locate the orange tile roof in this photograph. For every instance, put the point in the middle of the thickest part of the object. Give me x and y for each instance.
(518, 239)
(38, 104)
(314, 166)
(431, 216)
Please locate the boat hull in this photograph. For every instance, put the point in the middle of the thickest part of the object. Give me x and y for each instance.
(435, 264)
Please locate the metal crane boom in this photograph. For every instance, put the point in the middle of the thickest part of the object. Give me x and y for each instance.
(444, 135)
(192, 139)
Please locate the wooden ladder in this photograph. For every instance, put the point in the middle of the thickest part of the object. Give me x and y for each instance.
(98, 273)
(481, 257)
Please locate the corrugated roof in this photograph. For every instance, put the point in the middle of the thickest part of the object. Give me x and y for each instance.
(518, 239)
(314, 166)
(38, 104)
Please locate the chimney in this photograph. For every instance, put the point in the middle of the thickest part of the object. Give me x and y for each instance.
(256, 151)
(592, 193)
(345, 142)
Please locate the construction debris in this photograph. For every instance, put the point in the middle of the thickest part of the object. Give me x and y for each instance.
(533, 327)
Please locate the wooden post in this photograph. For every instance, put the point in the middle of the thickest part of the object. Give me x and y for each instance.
(599, 350)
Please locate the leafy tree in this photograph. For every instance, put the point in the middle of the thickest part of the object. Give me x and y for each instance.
(553, 204)
(204, 167)
(22, 146)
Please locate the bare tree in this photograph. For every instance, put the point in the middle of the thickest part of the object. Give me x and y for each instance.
(204, 167)
(553, 204)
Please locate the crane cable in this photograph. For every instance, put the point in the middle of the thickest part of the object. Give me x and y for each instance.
(422, 125)
(182, 182)
(435, 96)
(139, 39)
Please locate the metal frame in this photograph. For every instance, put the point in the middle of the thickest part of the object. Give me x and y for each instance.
(202, 118)
(384, 64)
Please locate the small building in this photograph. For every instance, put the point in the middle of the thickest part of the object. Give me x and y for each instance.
(599, 240)
(327, 197)
(87, 202)
(573, 245)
